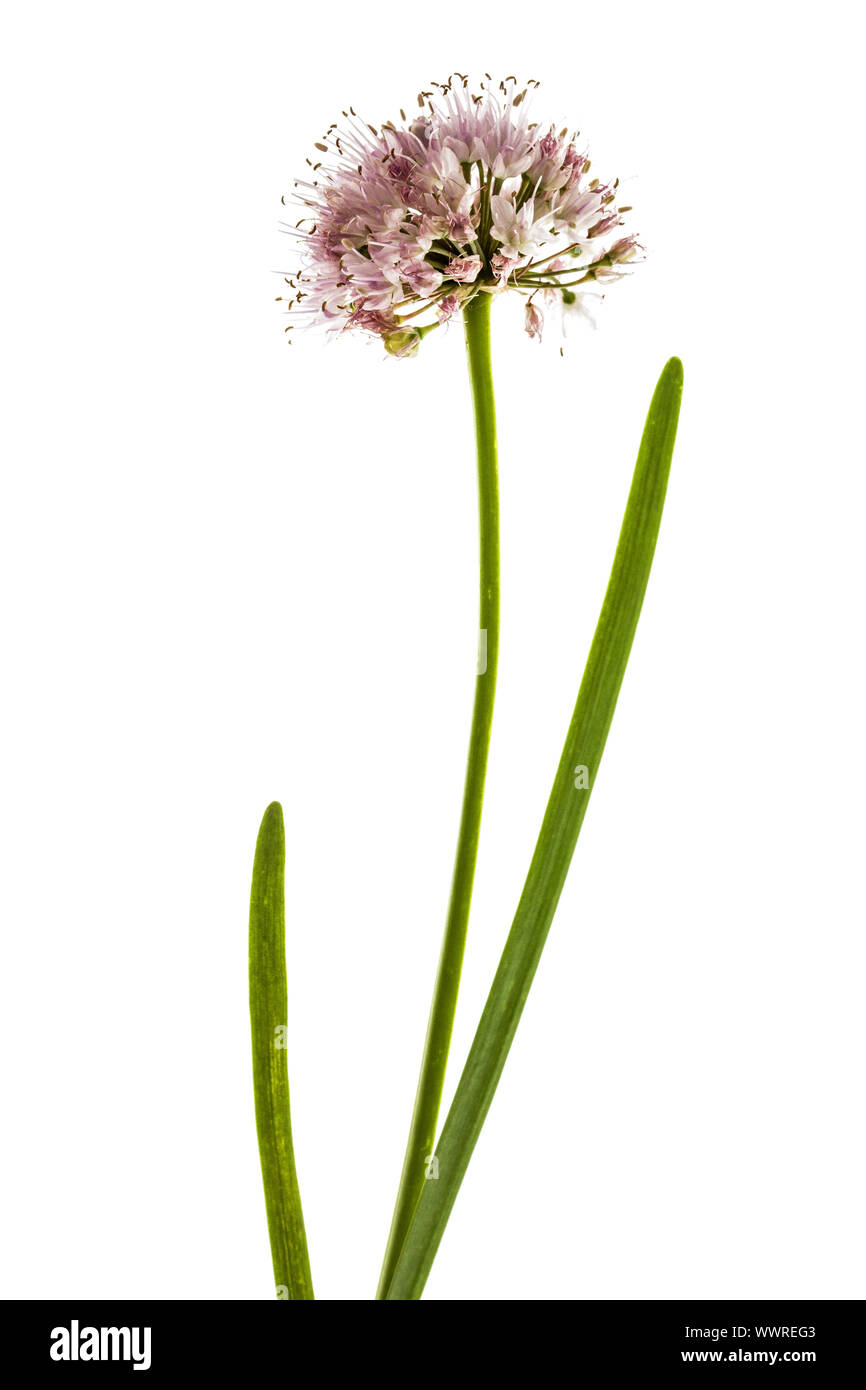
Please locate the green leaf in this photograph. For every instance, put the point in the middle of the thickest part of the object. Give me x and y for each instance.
(269, 1011)
(563, 818)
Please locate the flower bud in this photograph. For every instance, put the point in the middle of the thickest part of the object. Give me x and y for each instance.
(403, 342)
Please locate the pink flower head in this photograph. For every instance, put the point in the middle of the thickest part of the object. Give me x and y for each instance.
(470, 195)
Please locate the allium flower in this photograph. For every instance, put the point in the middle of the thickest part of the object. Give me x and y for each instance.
(468, 197)
(403, 229)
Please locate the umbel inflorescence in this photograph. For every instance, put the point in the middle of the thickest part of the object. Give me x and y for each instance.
(469, 196)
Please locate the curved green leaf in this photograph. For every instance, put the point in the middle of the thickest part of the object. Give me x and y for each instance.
(563, 818)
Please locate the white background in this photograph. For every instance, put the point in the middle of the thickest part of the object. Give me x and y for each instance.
(235, 571)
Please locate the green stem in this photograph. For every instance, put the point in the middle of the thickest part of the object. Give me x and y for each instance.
(268, 1015)
(476, 321)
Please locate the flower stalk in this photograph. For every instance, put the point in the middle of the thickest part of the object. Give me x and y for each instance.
(419, 1148)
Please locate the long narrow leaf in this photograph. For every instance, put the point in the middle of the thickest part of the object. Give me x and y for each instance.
(268, 1017)
(566, 808)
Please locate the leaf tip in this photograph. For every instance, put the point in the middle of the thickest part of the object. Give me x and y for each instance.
(673, 371)
(272, 831)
